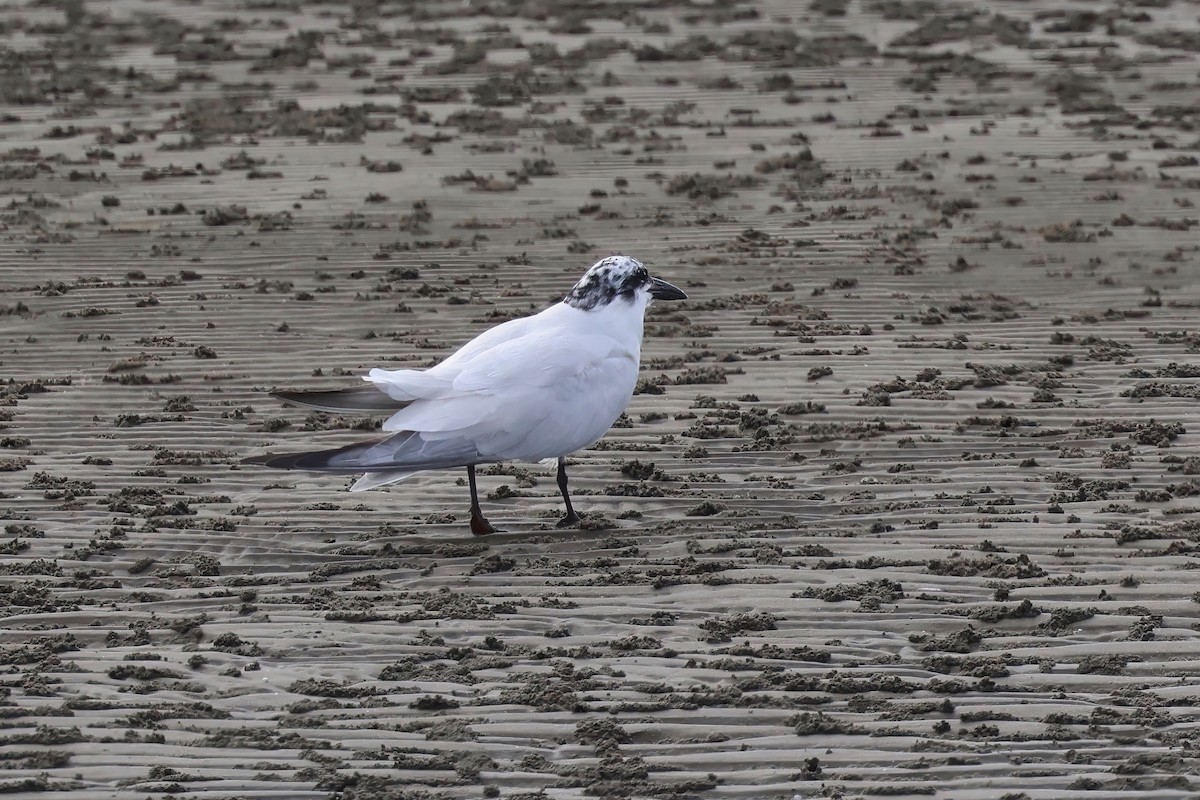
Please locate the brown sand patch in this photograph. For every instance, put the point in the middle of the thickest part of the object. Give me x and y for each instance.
(902, 507)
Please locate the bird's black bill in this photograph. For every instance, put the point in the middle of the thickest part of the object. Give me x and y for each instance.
(661, 290)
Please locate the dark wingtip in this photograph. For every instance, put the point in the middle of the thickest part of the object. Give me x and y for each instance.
(366, 399)
(293, 397)
(320, 460)
(287, 460)
(263, 461)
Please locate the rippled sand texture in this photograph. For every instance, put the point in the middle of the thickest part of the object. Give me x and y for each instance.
(903, 506)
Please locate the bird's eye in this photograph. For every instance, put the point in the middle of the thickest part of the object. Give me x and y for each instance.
(642, 275)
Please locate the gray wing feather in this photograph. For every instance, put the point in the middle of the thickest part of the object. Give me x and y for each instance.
(360, 398)
(403, 451)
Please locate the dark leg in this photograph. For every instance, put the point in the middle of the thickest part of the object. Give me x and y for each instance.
(571, 518)
(479, 525)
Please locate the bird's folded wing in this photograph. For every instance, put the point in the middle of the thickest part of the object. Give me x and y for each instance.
(538, 359)
(448, 415)
(494, 337)
(406, 450)
(406, 385)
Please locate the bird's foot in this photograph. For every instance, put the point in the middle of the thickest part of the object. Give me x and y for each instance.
(480, 526)
(568, 521)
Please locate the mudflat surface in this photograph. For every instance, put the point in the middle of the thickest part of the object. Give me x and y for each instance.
(904, 505)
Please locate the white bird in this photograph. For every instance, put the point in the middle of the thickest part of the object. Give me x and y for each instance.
(530, 389)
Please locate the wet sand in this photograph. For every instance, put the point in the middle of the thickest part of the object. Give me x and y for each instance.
(903, 505)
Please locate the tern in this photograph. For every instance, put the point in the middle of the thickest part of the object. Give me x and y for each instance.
(534, 389)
